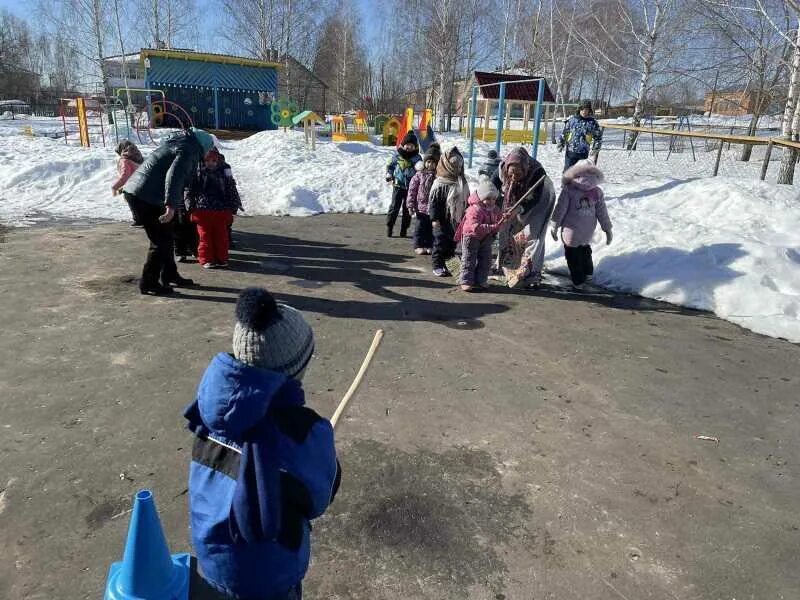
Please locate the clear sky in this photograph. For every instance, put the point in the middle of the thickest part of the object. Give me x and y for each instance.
(17, 7)
(370, 11)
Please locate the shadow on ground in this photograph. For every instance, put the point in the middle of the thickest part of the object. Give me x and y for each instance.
(313, 265)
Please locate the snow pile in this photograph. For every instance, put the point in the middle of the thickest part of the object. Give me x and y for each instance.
(40, 177)
(278, 175)
(729, 244)
(718, 244)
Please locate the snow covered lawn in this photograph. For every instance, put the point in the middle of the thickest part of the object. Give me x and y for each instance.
(729, 244)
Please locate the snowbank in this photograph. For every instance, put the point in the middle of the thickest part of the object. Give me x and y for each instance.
(278, 175)
(729, 244)
(723, 245)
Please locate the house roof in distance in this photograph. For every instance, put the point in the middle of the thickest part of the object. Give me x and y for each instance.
(515, 92)
(208, 57)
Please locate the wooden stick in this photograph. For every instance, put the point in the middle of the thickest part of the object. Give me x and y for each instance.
(525, 197)
(359, 376)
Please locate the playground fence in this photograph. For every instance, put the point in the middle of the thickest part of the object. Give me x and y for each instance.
(32, 110)
(711, 142)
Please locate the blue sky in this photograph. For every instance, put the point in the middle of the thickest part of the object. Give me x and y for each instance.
(369, 9)
(17, 7)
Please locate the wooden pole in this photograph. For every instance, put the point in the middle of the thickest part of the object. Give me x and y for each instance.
(765, 166)
(597, 154)
(485, 117)
(376, 341)
(719, 156)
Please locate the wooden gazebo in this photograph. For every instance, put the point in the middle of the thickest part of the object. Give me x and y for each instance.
(524, 94)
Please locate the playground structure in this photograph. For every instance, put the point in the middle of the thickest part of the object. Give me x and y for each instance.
(141, 113)
(424, 131)
(507, 91)
(388, 127)
(354, 131)
(82, 117)
(310, 120)
(96, 120)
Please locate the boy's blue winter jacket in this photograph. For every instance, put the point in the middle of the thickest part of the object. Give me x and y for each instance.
(402, 169)
(262, 466)
(581, 134)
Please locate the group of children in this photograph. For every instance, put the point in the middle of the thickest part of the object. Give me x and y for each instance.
(263, 463)
(211, 199)
(510, 200)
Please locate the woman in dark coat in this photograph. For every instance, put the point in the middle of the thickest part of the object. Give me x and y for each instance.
(156, 192)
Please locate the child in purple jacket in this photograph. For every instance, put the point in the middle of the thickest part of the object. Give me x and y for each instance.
(417, 200)
(579, 208)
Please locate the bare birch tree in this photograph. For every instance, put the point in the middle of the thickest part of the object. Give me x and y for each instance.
(790, 127)
(650, 29)
(83, 23)
(749, 51)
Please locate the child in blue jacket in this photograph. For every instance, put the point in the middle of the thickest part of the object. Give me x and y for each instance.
(263, 464)
(399, 171)
(582, 134)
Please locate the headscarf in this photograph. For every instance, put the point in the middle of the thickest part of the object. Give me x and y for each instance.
(450, 172)
(513, 192)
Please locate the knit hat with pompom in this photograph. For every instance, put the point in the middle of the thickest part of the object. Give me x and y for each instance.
(486, 189)
(271, 336)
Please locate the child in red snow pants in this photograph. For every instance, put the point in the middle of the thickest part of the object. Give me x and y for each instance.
(212, 227)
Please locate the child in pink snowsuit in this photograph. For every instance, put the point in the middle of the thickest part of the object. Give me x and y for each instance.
(476, 232)
(129, 160)
(579, 208)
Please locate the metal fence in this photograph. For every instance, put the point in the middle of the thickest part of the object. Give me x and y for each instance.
(35, 110)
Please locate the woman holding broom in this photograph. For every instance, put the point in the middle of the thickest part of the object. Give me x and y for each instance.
(528, 191)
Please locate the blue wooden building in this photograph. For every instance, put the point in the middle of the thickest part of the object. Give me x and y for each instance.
(218, 91)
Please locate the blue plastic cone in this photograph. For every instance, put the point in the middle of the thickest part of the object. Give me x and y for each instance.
(147, 571)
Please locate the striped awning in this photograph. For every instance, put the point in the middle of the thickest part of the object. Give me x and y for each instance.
(209, 75)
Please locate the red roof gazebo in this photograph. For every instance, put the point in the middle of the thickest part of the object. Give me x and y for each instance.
(520, 90)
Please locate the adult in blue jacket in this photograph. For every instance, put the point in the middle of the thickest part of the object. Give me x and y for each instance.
(155, 190)
(582, 134)
(263, 464)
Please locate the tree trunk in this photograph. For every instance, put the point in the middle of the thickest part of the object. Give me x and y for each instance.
(647, 67)
(269, 25)
(263, 46)
(286, 50)
(156, 32)
(440, 108)
(747, 149)
(170, 25)
(505, 38)
(790, 119)
(98, 34)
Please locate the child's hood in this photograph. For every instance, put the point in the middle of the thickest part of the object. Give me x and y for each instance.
(473, 199)
(584, 175)
(233, 397)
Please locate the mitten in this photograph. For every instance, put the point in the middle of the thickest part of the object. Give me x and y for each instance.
(609, 237)
(554, 233)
